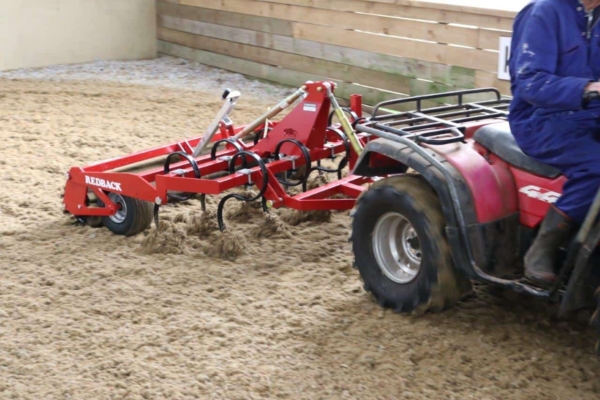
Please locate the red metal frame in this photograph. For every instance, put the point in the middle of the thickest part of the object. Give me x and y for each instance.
(306, 123)
(498, 189)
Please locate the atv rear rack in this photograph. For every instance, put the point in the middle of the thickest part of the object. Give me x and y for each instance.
(436, 125)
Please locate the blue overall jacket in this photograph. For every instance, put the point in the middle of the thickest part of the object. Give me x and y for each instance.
(555, 53)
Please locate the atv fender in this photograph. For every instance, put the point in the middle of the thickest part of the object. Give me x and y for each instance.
(406, 158)
(494, 251)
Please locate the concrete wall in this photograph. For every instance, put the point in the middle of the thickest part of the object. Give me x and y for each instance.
(36, 33)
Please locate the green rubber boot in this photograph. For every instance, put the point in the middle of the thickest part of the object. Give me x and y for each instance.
(556, 230)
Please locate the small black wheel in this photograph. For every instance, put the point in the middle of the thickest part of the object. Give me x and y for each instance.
(400, 247)
(132, 217)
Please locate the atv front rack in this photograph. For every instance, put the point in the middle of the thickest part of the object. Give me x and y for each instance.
(436, 125)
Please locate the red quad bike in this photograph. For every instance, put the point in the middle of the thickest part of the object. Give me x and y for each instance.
(460, 202)
(452, 198)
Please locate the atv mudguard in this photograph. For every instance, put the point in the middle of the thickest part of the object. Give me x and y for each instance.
(494, 252)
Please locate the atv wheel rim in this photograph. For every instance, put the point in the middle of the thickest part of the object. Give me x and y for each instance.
(121, 213)
(397, 248)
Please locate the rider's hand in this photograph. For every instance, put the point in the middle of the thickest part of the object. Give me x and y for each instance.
(593, 87)
(590, 93)
(591, 4)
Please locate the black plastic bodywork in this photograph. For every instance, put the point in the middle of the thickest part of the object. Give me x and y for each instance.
(496, 247)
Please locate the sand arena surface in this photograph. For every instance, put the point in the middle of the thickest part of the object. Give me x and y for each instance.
(85, 314)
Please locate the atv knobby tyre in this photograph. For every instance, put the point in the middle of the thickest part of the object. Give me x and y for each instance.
(437, 285)
(135, 216)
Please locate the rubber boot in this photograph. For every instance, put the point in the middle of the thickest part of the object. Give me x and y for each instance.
(556, 230)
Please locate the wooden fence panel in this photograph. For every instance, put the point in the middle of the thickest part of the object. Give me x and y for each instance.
(334, 27)
(379, 48)
(447, 74)
(274, 74)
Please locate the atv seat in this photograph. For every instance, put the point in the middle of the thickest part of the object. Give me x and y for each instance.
(498, 139)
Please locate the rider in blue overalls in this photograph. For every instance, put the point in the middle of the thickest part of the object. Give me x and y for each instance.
(555, 60)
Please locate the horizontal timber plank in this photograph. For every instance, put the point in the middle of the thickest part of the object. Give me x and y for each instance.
(431, 52)
(405, 67)
(295, 62)
(483, 18)
(348, 20)
(489, 27)
(448, 6)
(232, 64)
(225, 18)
